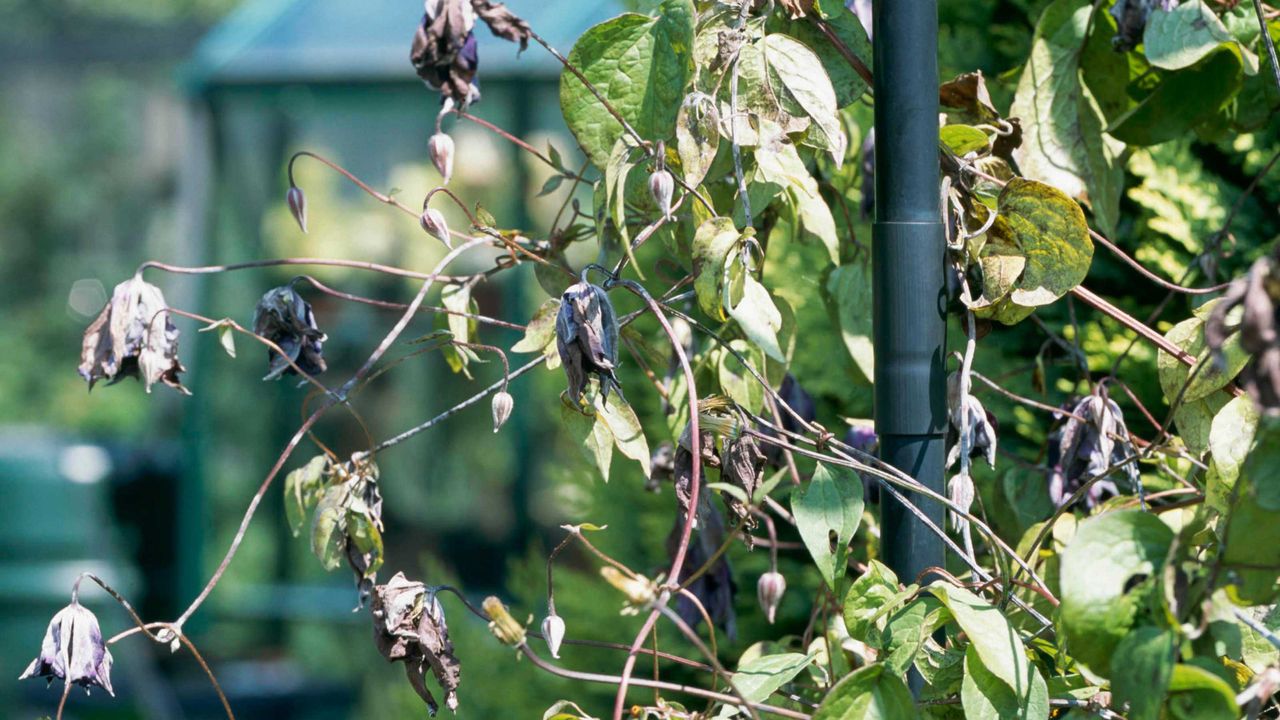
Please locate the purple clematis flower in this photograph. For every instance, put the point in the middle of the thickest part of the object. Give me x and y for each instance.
(73, 651)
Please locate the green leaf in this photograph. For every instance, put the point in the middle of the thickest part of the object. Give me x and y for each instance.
(868, 597)
(984, 696)
(540, 333)
(760, 677)
(1107, 552)
(758, 317)
(697, 139)
(1184, 35)
(869, 693)
(328, 531)
(621, 422)
(1183, 99)
(1002, 263)
(999, 648)
(1196, 693)
(806, 90)
(551, 185)
(362, 531)
(1231, 435)
(1063, 143)
(736, 382)
(559, 711)
(908, 629)
(1141, 671)
(593, 436)
(1193, 420)
(963, 139)
(457, 298)
(1189, 335)
(1050, 230)
(640, 65)
(778, 163)
(849, 287)
(827, 513)
(302, 489)
(848, 84)
(712, 243)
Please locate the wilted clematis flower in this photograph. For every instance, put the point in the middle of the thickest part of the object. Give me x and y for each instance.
(1258, 293)
(409, 626)
(971, 425)
(715, 588)
(1131, 20)
(133, 337)
(73, 650)
(284, 318)
(444, 46)
(587, 339)
(1088, 447)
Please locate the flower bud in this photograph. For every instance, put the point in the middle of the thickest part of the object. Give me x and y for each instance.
(638, 589)
(769, 590)
(553, 633)
(501, 624)
(441, 147)
(662, 186)
(502, 406)
(432, 221)
(297, 205)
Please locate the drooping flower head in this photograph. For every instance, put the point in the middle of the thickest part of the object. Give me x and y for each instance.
(587, 339)
(284, 318)
(409, 627)
(73, 651)
(133, 336)
(444, 45)
(1093, 443)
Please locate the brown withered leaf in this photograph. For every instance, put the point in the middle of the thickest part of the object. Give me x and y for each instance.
(968, 93)
(409, 627)
(133, 336)
(742, 464)
(504, 23)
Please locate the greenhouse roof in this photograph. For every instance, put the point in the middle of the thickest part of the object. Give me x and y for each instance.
(367, 41)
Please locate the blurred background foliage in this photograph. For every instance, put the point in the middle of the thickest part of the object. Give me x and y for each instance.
(125, 138)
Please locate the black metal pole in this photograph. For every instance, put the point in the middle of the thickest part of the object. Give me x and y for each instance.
(909, 275)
